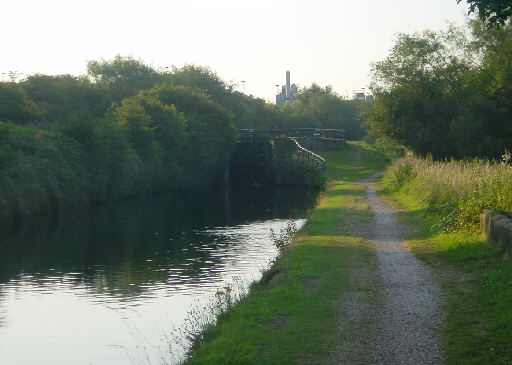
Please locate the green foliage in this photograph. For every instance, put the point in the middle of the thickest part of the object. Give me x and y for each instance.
(145, 144)
(317, 107)
(123, 76)
(284, 236)
(296, 172)
(209, 128)
(39, 171)
(495, 12)
(444, 94)
(15, 106)
(322, 108)
(136, 130)
(64, 96)
(457, 190)
(200, 78)
(347, 164)
(248, 111)
(180, 134)
(401, 174)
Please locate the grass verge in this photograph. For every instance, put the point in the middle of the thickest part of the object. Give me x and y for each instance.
(293, 314)
(476, 279)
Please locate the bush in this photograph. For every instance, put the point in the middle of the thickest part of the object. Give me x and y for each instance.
(39, 171)
(296, 172)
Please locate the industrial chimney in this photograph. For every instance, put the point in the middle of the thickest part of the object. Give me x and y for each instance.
(288, 94)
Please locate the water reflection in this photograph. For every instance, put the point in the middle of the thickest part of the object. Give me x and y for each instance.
(139, 261)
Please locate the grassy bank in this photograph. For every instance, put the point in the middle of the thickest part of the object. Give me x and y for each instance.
(293, 315)
(476, 277)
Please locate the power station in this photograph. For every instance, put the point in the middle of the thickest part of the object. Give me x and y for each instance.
(288, 93)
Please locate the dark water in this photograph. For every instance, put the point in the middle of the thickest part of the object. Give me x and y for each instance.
(107, 284)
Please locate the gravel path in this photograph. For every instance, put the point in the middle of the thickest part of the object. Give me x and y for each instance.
(410, 313)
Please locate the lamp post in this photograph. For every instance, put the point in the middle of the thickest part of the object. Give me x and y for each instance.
(243, 86)
(277, 89)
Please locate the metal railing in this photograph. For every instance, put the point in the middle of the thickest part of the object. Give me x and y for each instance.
(254, 134)
(309, 157)
(294, 134)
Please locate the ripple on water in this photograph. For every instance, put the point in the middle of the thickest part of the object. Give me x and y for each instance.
(83, 307)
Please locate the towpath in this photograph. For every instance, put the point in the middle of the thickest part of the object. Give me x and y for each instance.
(348, 291)
(397, 320)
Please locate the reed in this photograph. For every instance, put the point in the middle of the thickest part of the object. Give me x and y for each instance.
(456, 190)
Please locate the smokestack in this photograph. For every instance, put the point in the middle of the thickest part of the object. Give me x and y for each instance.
(288, 95)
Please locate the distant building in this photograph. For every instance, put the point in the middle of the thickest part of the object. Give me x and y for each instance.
(362, 95)
(288, 94)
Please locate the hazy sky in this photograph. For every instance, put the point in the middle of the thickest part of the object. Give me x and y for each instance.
(331, 42)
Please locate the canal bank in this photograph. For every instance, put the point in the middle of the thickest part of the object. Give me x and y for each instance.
(310, 301)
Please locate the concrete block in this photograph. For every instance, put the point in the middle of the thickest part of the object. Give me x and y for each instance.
(497, 229)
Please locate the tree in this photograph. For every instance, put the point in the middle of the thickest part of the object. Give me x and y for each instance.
(494, 82)
(201, 78)
(210, 131)
(445, 94)
(14, 76)
(63, 96)
(123, 76)
(178, 130)
(495, 12)
(15, 106)
(415, 90)
(322, 108)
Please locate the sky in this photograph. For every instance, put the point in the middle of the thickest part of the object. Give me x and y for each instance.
(330, 42)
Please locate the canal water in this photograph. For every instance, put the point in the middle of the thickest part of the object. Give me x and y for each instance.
(115, 284)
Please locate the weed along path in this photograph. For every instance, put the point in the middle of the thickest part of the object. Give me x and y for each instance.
(410, 314)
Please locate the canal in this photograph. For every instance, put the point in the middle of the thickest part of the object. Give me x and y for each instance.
(115, 284)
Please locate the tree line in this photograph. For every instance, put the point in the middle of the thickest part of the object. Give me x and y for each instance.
(125, 128)
(446, 93)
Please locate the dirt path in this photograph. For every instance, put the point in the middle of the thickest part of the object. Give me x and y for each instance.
(411, 297)
(397, 320)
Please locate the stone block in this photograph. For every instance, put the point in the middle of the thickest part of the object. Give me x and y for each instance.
(497, 229)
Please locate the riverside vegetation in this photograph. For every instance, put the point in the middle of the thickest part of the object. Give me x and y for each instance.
(456, 190)
(125, 128)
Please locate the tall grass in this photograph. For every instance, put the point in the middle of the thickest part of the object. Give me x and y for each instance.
(458, 190)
